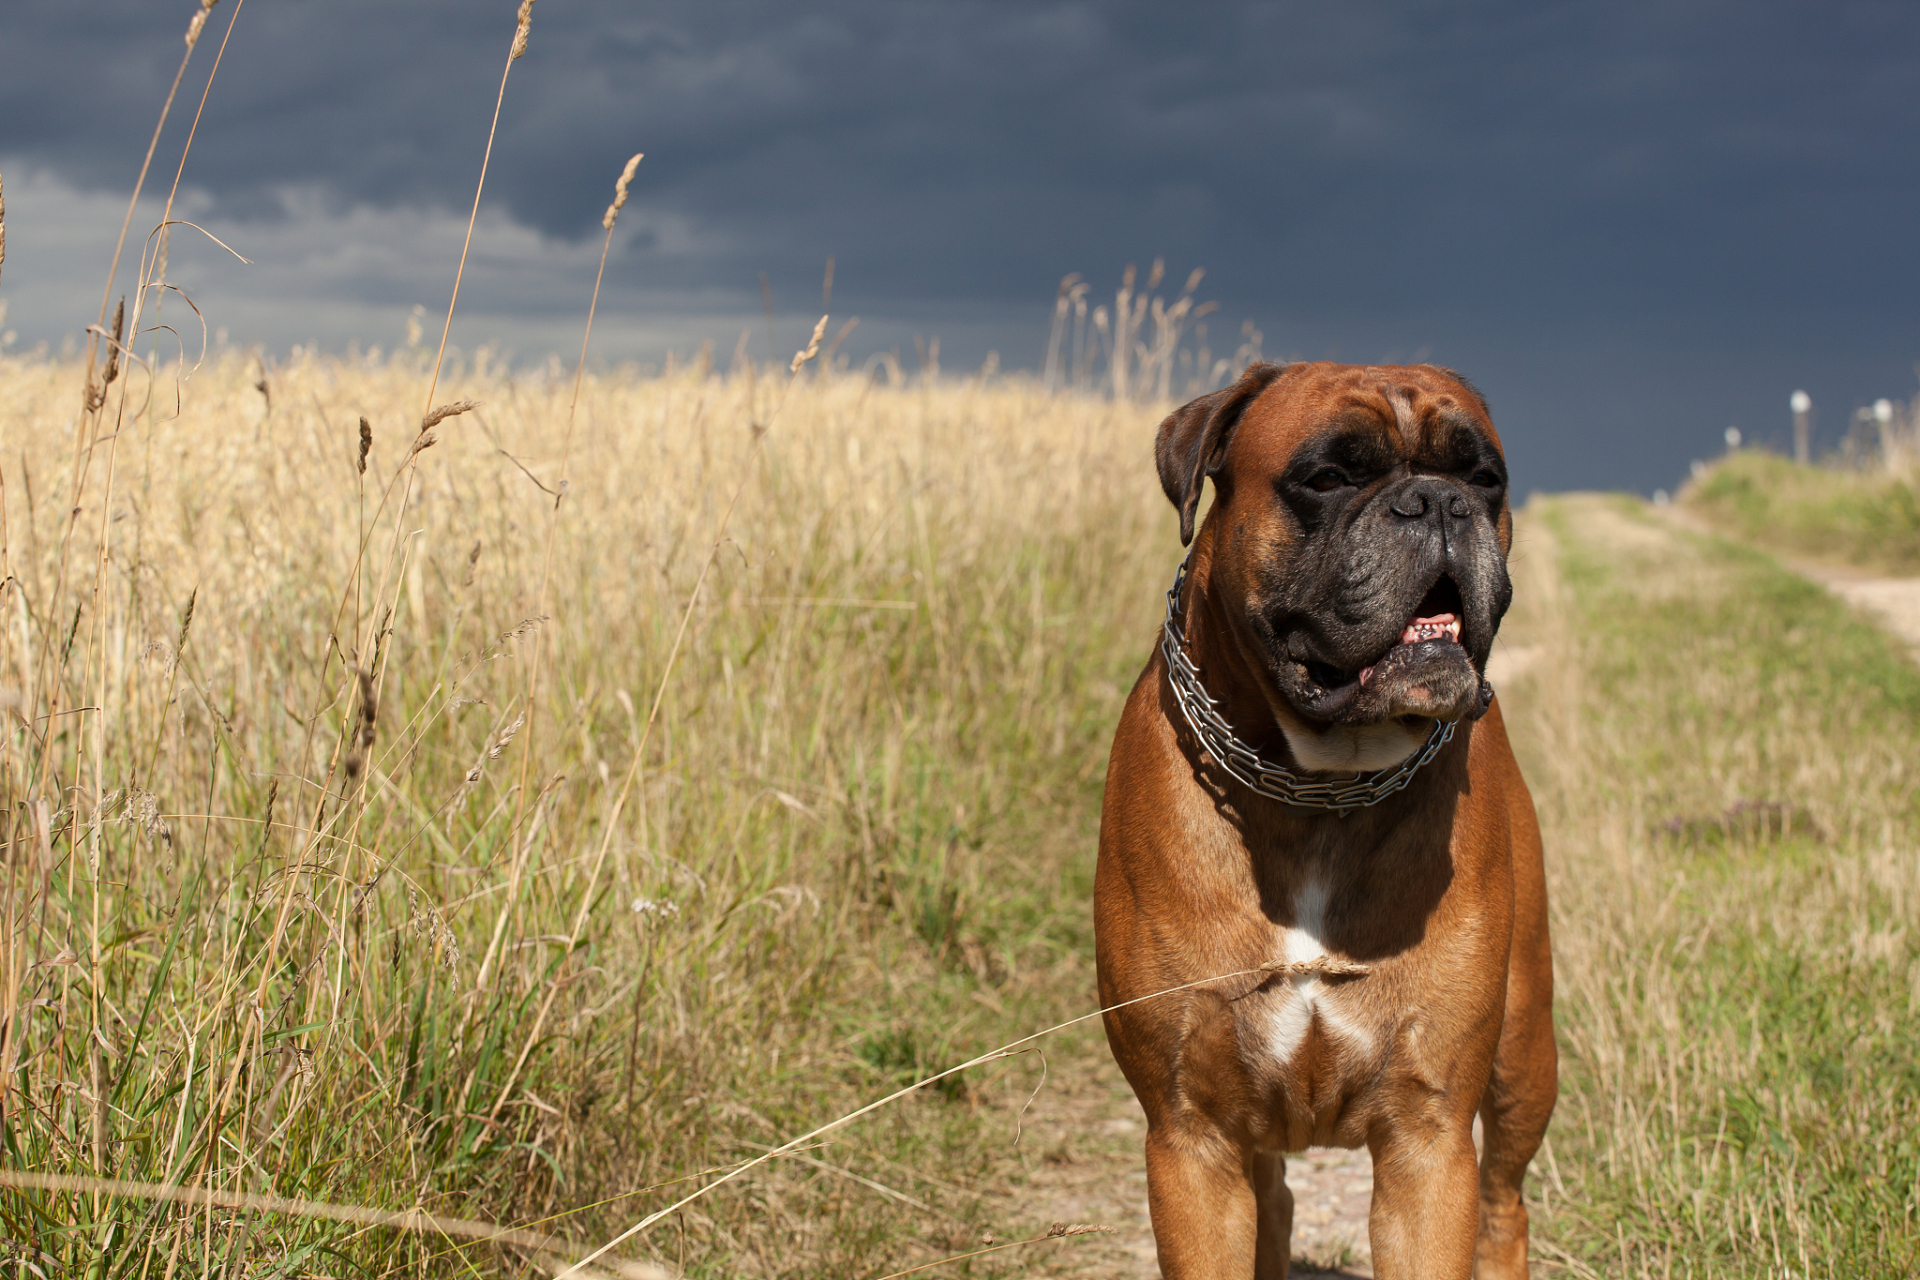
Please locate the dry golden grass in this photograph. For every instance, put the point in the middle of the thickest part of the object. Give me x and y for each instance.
(506, 967)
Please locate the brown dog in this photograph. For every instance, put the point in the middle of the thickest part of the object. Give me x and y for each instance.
(1386, 936)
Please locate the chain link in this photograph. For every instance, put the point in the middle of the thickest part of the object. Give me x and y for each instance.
(1244, 763)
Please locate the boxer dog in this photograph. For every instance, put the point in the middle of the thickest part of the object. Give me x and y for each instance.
(1311, 792)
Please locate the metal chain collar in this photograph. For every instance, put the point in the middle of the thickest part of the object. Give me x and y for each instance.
(1244, 763)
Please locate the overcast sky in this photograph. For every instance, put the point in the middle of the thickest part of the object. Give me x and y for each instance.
(1631, 225)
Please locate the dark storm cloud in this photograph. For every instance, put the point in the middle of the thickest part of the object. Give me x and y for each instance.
(1634, 224)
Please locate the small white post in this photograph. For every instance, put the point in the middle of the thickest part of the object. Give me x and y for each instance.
(1802, 404)
(1883, 418)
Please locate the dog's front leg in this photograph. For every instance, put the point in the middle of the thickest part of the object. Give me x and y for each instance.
(1426, 1203)
(1269, 1176)
(1206, 1217)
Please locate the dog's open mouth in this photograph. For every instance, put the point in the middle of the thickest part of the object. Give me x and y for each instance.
(1435, 618)
(1424, 672)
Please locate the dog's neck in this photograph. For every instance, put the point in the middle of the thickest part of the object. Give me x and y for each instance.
(1236, 671)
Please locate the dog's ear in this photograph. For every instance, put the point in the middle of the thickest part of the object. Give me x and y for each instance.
(1193, 440)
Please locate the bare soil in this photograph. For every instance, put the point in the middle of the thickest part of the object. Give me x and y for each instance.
(1081, 1140)
(1893, 603)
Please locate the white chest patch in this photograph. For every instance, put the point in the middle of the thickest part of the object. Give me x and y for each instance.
(1304, 997)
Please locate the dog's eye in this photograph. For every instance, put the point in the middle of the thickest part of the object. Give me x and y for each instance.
(1322, 481)
(1486, 480)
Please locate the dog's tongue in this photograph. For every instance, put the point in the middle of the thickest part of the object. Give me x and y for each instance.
(1441, 626)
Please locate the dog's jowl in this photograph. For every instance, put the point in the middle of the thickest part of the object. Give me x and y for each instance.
(1311, 793)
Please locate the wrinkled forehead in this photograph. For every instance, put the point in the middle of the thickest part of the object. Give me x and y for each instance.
(1420, 412)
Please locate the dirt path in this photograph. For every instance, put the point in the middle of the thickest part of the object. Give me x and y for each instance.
(1892, 603)
(1082, 1139)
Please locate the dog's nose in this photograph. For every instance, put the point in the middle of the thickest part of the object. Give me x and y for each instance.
(1424, 498)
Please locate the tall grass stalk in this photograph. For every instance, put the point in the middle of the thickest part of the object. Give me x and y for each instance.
(48, 677)
(546, 578)
(549, 1251)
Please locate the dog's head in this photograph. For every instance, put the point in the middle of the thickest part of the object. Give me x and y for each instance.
(1358, 541)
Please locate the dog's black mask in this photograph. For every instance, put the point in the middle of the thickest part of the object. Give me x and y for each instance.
(1377, 499)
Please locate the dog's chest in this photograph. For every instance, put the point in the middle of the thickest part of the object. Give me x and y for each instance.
(1313, 1001)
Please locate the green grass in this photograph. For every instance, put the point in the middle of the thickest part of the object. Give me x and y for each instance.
(1870, 519)
(1734, 878)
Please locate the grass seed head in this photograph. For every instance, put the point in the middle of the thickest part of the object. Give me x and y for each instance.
(425, 920)
(199, 21)
(813, 347)
(520, 32)
(444, 412)
(95, 396)
(620, 191)
(366, 442)
(113, 352)
(186, 621)
(141, 811)
(363, 730)
(266, 822)
(495, 745)
(500, 744)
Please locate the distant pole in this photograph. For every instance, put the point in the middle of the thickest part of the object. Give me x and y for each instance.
(1883, 418)
(1802, 444)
